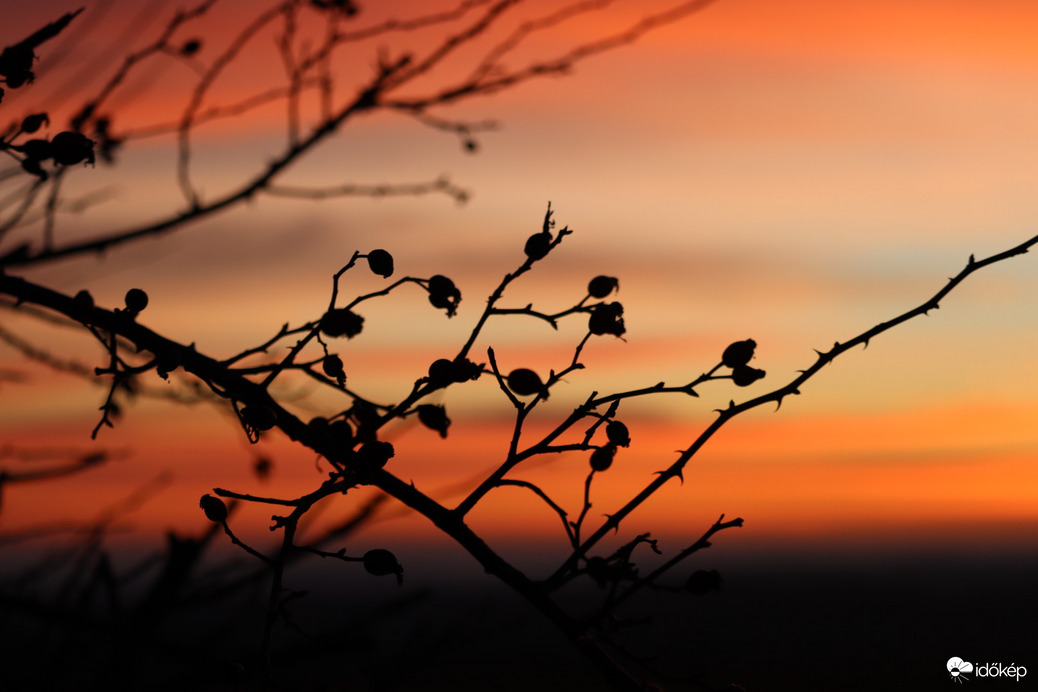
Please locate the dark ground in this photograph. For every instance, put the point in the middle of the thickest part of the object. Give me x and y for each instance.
(778, 626)
(834, 622)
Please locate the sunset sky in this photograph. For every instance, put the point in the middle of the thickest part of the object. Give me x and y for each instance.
(784, 170)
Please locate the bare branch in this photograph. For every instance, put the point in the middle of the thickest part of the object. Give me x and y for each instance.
(91, 108)
(776, 396)
(547, 500)
(218, 66)
(312, 71)
(81, 462)
(441, 185)
(489, 81)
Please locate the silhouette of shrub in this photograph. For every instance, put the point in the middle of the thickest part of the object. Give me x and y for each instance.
(351, 440)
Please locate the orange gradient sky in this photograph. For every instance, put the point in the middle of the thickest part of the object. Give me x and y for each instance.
(789, 171)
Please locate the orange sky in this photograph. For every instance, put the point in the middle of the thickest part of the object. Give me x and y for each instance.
(789, 171)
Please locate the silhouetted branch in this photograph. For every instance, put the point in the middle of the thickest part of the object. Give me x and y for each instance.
(160, 45)
(85, 461)
(217, 67)
(310, 68)
(351, 469)
(492, 77)
(245, 546)
(650, 579)
(776, 396)
(544, 496)
(18, 473)
(254, 498)
(575, 534)
(230, 110)
(441, 185)
(463, 130)
(349, 438)
(41, 356)
(25, 201)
